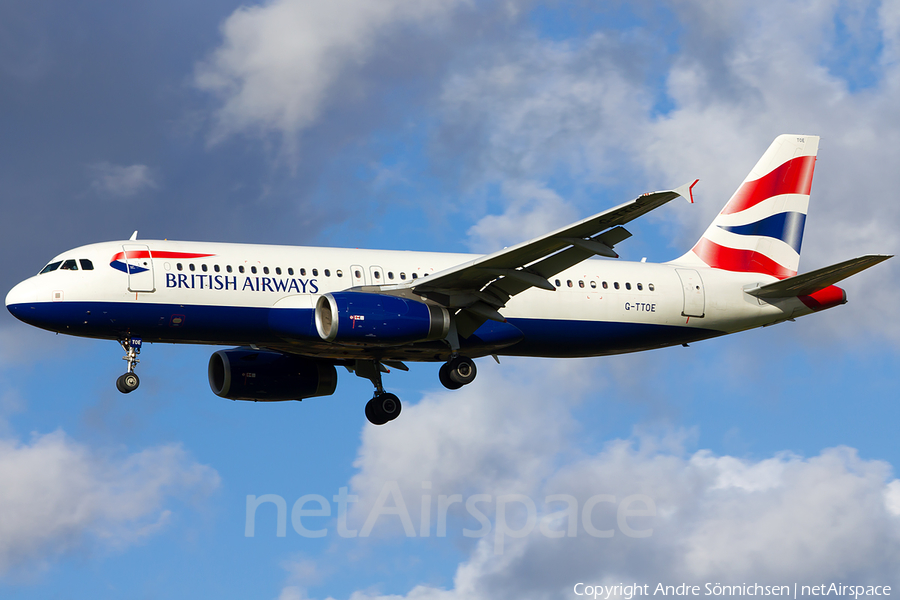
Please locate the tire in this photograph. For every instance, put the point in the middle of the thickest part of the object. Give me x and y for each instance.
(372, 413)
(389, 406)
(127, 383)
(383, 408)
(462, 370)
(444, 376)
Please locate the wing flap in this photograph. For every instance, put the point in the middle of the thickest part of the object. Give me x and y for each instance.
(810, 283)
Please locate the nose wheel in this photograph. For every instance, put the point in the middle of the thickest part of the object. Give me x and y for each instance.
(129, 382)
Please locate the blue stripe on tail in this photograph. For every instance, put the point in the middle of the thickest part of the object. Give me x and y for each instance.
(786, 226)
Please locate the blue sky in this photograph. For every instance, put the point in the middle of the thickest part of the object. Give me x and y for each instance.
(462, 126)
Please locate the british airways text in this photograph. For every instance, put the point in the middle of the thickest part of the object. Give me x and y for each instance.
(230, 282)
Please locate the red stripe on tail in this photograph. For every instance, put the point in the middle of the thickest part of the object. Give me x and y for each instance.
(793, 177)
(743, 261)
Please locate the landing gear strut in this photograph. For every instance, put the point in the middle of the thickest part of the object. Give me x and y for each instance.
(384, 406)
(129, 382)
(457, 372)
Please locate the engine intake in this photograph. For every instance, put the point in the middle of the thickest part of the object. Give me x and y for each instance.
(379, 320)
(269, 376)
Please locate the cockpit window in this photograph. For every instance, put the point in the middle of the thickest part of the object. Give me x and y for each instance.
(86, 265)
(69, 265)
(51, 267)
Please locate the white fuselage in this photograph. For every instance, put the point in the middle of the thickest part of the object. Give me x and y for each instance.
(220, 293)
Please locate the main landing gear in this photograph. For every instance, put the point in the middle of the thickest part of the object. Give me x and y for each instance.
(384, 406)
(129, 382)
(457, 372)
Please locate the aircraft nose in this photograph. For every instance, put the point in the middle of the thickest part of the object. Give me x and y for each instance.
(19, 296)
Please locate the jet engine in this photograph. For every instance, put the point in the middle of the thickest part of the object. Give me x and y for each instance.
(379, 320)
(240, 374)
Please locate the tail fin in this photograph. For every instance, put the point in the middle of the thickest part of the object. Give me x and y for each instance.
(761, 228)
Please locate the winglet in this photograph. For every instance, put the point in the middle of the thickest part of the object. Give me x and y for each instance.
(687, 191)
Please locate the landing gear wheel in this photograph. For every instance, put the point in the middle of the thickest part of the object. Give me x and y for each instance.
(127, 383)
(444, 376)
(461, 370)
(382, 408)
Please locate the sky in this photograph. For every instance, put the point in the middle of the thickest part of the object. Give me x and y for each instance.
(764, 457)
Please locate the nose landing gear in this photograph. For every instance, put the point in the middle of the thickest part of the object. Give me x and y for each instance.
(129, 382)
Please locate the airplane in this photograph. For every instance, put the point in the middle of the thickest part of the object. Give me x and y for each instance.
(294, 314)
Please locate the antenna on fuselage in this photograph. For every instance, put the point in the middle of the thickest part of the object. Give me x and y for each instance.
(133, 236)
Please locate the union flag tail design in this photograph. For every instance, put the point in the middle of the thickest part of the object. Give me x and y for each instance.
(761, 228)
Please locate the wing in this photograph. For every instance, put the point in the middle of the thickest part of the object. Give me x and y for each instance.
(480, 287)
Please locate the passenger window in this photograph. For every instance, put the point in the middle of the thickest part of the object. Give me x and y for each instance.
(650, 287)
(266, 270)
(569, 282)
(290, 270)
(327, 273)
(216, 268)
(377, 275)
(640, 286)
(580, 283)
(605, 286)
(228, 268)
(627, 286)
(357, 274)
(402, 275)
(616, 284)
(594, 285)
(204, 268)
(192, 267)
(302, 272)
(278, 270)
(69, 265)
(50, 267)
(558, 284)
(240, 268)
(179, 266)
(253, 270)
(414, 276)
(86, 265)
(340, 273)
(390, 274)
(315, 272)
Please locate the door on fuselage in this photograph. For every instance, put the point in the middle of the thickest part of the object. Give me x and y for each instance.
(140, 268)
(694, 296)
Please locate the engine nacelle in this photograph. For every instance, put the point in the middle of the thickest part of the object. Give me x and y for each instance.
(269, 376)
(376, 319)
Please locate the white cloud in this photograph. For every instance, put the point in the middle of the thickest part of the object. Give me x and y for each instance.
(489, 441)
(719, 518)
(121, 181)
(744, 75)
(278, 62)
(533, 211)
(58, 495)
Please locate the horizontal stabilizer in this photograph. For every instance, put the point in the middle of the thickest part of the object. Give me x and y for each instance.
(812, 282)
